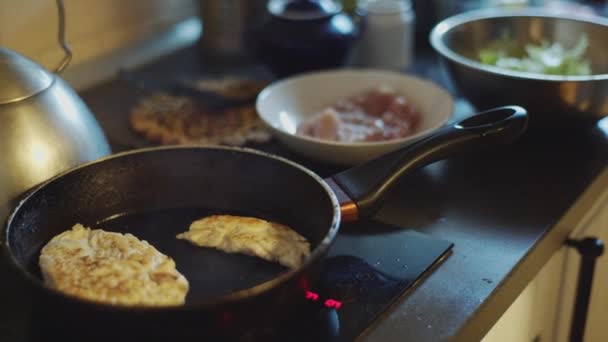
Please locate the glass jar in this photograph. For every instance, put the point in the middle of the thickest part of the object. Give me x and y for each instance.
(388, 39)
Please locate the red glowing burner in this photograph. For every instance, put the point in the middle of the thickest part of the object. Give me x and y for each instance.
(330, 303)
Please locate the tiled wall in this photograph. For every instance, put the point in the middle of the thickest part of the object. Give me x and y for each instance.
(94, 27)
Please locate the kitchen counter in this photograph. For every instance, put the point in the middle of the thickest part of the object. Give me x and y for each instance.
(506, 209)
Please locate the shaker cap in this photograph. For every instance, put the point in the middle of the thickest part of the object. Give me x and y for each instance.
(303, 9)
(384, 6)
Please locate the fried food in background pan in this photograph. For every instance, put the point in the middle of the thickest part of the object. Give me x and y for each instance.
(249, 235)
(167, 119)
(111, 268)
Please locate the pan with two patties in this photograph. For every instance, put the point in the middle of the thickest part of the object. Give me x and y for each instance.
(156, 194)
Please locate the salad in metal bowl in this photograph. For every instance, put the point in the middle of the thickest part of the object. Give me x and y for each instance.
(544, 58)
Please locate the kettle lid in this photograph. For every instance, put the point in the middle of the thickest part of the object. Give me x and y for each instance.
(303, 9)
(20, 77)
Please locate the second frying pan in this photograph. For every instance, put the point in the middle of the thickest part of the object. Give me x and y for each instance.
(156, 193)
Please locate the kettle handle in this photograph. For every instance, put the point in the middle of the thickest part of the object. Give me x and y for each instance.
(61, 37)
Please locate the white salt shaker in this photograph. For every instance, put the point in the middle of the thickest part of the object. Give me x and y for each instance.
(388, 38)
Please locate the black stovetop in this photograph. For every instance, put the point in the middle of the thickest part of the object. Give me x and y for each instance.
(366, 279)
(358, 283)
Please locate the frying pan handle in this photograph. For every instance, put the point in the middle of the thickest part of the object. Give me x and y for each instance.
(366, 184)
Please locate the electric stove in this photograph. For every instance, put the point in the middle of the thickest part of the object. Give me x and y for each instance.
(370, 265)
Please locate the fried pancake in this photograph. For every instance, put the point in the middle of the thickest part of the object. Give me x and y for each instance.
(248, 235)
(111, 268)
(166, 119)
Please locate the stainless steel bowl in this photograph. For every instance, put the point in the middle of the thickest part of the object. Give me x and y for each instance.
(549, 99)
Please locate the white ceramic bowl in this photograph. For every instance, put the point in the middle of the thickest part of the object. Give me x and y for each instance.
(284, 104)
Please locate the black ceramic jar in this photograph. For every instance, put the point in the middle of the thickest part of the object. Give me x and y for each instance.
(305, 35)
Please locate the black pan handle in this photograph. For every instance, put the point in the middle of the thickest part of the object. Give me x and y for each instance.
(367, 184)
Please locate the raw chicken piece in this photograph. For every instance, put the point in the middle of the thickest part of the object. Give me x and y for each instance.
(323, 125)
(375, 115)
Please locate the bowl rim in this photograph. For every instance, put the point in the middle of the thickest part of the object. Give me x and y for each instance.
(448, 24)
(417, 135)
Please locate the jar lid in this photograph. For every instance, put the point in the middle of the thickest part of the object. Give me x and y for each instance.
(20, 77)
(385, 6)
(303, 9)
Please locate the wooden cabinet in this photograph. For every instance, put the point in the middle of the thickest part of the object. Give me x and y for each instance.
(543, 311)
(532, 315)
(597, 327)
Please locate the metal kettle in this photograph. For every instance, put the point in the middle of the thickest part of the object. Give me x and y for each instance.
(45, 128)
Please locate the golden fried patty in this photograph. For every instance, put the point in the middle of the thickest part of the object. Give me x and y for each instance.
(248, 235)
(112, 268)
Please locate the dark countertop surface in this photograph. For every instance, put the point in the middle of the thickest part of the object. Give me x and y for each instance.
(499, 207)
